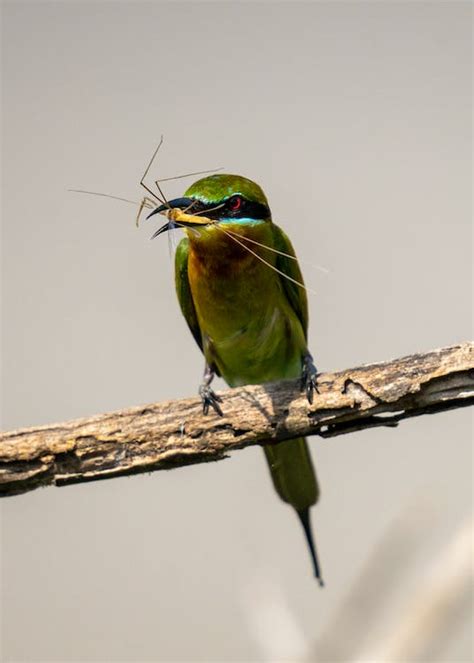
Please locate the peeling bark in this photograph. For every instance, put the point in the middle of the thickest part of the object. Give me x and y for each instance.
(175, 433)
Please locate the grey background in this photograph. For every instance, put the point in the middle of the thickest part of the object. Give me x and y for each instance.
(356, 120)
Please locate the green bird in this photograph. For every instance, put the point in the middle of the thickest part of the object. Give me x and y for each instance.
(241, 291)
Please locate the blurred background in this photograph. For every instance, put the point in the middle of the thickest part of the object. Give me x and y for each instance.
(356, 120)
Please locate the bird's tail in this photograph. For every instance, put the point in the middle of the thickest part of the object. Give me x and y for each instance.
(295, 482)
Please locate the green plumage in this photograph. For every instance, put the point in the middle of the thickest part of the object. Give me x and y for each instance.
(215, 188)
(248, 319)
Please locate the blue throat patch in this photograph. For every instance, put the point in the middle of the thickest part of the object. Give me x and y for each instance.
(244, 220)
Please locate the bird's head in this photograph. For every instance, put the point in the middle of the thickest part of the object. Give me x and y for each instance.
(217, 199)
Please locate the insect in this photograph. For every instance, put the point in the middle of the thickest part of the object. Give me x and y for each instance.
(175, 215)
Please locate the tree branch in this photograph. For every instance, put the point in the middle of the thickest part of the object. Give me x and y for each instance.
(175, 433)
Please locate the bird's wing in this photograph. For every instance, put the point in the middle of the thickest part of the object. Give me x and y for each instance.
(295, 294)
(183, 290)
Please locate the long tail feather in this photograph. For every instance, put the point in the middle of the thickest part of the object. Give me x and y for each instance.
(305, 521)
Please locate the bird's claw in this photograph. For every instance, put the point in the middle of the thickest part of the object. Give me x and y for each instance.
(210, 398)
(309, 378)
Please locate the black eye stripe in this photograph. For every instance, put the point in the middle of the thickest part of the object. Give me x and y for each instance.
(248, 209)
(197, 206)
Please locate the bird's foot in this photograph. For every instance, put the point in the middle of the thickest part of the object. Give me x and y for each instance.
(210, 398)
(309, 378)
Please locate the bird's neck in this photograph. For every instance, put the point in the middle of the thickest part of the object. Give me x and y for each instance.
(229, 248)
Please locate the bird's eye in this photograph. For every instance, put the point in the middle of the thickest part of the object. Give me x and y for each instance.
(234, 203)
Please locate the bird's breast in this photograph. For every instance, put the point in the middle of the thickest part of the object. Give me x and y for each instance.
(249, 330)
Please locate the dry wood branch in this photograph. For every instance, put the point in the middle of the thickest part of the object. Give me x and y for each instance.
(175, 433)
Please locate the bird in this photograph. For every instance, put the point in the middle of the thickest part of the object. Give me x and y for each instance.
(241, 291)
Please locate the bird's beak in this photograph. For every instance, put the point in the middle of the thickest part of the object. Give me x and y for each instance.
(181, 203)
(174, 211)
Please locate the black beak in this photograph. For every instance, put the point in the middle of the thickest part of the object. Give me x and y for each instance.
(182, 203)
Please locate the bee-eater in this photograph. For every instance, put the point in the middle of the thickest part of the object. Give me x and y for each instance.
(241, 291)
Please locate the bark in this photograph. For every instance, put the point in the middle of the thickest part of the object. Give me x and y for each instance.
(175, 433)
